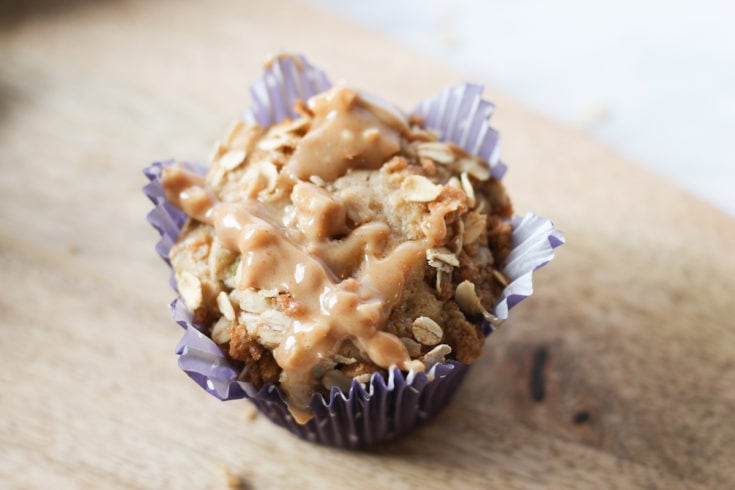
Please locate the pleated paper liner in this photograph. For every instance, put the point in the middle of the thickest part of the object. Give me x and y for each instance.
(381, 409)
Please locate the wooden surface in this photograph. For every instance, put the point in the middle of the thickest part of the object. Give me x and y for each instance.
(619, 372)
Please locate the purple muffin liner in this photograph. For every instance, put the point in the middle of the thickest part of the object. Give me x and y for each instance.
(286, 80)
(460, 115)
(381, 409)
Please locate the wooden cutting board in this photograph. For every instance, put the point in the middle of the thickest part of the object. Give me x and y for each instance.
(619, 372)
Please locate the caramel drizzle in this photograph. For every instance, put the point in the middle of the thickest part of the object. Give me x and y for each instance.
(344, 289)
(348, 131)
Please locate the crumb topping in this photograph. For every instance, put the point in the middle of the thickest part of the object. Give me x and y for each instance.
(338, 244)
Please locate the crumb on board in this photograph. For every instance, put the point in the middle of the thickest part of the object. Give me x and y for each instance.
(230, 480)
(251, 413)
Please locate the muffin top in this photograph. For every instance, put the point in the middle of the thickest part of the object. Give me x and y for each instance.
(338, 244)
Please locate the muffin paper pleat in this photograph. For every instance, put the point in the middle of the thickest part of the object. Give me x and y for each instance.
(381, 409)
(533, 242)
(286, 80)
(460, 115)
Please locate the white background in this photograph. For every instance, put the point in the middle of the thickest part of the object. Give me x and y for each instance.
(653, 79)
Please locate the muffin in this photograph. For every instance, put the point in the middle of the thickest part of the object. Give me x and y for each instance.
(340, 263)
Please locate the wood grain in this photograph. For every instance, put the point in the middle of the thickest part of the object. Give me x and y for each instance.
(619, 372)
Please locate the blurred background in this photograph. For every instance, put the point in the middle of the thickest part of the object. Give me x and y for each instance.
(652, 79)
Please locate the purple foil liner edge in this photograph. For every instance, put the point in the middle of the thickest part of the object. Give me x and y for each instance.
(285, 81)
(383, 409)
(461, 115)
(533, 241)
(374, 414)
